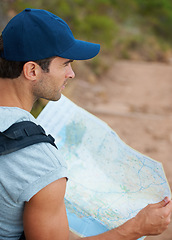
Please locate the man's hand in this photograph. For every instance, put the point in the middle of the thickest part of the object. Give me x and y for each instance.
(152, 220)
(155, 218)
(45, 218)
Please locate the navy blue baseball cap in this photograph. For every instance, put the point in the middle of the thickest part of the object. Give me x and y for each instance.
(36, 34)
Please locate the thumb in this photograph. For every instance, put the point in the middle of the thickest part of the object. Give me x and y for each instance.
(164, 202)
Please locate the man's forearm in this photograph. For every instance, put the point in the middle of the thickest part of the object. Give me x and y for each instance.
(127, 231)
(151, 220)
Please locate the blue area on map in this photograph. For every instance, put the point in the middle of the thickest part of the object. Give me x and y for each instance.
(85, 226)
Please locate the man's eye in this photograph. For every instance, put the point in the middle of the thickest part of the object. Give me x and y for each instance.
(68, 63)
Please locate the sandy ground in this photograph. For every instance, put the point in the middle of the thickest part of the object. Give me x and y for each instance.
(135, 99)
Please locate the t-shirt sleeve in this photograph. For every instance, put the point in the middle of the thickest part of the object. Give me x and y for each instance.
(32, 169)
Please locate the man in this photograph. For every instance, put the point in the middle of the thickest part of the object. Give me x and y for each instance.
(36, 51)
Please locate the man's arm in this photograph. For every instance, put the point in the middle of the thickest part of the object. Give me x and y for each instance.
(45, 214)
(45, 218)
(152, 220)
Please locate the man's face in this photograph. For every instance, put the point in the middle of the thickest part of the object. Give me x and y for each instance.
(50, 84)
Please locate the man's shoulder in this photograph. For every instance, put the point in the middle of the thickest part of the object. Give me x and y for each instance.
(11, 115)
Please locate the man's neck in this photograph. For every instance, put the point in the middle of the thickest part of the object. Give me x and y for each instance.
(15, 93)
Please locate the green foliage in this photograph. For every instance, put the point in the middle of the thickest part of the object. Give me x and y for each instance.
(98, 28)
(38, 107)
(121, 27)
(130, 29)
(87, 19)
(158, 15)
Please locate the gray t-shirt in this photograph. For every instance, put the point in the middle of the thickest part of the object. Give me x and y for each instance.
(24, 173)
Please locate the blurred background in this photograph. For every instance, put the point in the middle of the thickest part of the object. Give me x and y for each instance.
(129, 84)
(126, 29)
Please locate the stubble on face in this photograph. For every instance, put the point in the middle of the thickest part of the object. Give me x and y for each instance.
(51, 84)
(42, 89)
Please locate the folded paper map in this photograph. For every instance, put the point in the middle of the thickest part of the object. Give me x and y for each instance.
(109, 182)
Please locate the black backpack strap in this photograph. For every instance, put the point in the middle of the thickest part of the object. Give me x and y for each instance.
(23, 134)
(22, 237)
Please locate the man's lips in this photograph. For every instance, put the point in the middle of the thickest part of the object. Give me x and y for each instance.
(65, 83)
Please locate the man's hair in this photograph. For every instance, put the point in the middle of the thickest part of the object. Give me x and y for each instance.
(13, 69)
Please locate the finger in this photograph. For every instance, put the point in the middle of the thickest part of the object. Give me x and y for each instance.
(169, 206)
(163, 203)
(166, 200)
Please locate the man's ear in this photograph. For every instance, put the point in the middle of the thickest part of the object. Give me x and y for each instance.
(31, 71)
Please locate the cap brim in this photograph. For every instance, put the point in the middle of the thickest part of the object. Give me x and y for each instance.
(81, 50)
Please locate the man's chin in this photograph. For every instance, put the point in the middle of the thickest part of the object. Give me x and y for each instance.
(53, 98)
(56, 98)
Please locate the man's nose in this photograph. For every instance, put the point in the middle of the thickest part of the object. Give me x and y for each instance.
(70, 73)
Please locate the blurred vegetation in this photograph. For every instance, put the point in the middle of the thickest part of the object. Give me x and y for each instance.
(130, 29)
(125, 29)
(120, 26)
